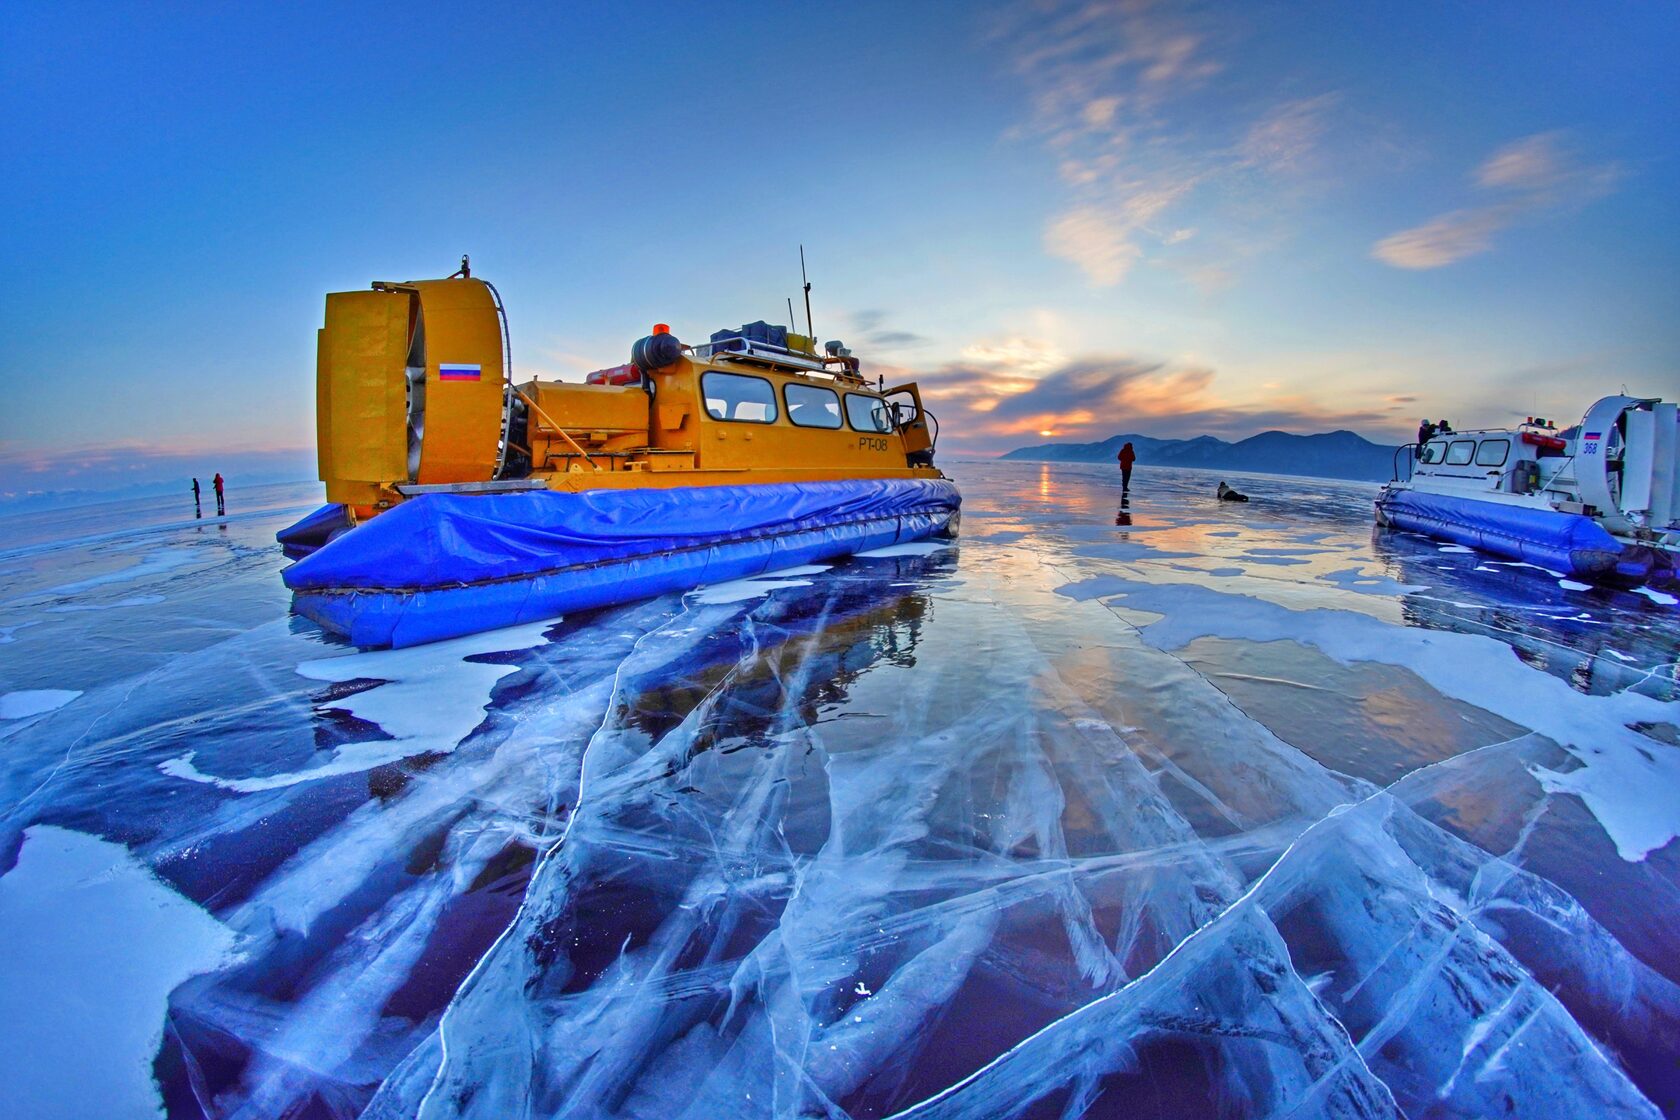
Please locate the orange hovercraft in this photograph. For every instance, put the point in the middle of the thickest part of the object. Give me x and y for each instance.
(460, 501)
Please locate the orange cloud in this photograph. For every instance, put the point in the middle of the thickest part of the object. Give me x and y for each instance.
(1534, 176)
(984, 410)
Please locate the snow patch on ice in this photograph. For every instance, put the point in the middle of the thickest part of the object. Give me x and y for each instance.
(131, 601)
(1096, 587)
(153, 563)
(1129, 550)
(1454, 548)
(740, 590)
(94, 945)
(1662, 597)
(1635, 793)
(431, 700)
(1352, 579)
(908, 548)
(33, 702)
(1572, 585)
(1524, 564)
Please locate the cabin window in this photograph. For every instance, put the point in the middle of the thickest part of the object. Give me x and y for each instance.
(811, 406)
(1493, 452)
(867, 414)
(1435, 451)
(1461, 452)
(735, 396)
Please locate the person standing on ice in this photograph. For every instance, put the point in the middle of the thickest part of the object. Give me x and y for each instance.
(1127, 457)
(221, 508)
(198, 504)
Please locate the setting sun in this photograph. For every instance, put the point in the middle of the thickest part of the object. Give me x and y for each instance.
(1046, 432)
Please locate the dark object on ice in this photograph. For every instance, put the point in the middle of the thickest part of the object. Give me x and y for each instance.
(1127, 457)
(221, 508)
(198, 506)
(1228, 493)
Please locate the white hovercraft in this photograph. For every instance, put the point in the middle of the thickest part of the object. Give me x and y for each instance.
(1599, 501)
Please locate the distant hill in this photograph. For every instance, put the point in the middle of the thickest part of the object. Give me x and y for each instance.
(1326, 455)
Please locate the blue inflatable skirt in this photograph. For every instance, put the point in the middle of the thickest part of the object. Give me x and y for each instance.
(444, 565)
(1569, 543)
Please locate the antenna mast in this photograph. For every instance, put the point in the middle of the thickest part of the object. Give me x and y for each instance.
(791, 319)
(809, 332)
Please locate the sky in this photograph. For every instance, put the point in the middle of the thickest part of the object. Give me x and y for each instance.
(1065, 221)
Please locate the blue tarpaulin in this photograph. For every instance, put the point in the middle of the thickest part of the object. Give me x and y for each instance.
(300, 539)
(444, 565)
(1563, 542)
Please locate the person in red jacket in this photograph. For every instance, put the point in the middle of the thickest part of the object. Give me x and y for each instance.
(1127, 458)
(217, 483)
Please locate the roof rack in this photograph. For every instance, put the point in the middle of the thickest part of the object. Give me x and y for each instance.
(763, 353)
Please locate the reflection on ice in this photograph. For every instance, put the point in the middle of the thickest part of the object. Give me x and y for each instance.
(1207, 810)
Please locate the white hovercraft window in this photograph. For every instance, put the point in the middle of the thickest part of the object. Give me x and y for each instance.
(1493, 452)
(867, 414)
(1461, 452)
(811, 406)
(1435, 451)
(735, 396)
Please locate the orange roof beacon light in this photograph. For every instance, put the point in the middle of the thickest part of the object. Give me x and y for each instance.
(662, 328)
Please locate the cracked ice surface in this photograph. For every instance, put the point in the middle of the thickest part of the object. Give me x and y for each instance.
(1166, 809)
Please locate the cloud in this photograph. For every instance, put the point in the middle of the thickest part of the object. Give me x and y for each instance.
(1536, 176)
(890, 340)
(1103, 240)
(993, 408)
(1443, 240)
(1019, 354)
(871, 331)
(1096, 241)
(1285, 136)
(1116, 90)
(1533, 163)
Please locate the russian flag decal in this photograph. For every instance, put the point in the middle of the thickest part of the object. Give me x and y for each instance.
(455, 371)
(1592, 435)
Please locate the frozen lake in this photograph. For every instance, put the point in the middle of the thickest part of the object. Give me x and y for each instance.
(1177, 809)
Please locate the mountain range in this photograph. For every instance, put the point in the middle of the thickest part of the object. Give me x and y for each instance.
(1340, 454)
